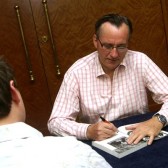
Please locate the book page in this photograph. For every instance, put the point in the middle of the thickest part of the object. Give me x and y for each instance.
(124, 131)
(122, 146)
(118, 146)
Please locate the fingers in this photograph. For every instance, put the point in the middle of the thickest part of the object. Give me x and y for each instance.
(142, 131)
(151, 140)
(109, 126)
(101, 130)
(131, 127)
(134, 139)
(105, 130)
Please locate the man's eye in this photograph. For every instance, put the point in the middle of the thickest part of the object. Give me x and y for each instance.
(121, 47)
(107, 46)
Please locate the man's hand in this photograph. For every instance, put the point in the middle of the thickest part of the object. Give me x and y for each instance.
(101, 130)
(150, 128)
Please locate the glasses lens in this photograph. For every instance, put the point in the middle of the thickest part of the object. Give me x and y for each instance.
(121, 48)
(109, 47)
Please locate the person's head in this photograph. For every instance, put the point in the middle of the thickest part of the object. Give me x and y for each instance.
(11, 103)
(112, 33)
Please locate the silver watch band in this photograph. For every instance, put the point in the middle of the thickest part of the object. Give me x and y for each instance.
(161, 118)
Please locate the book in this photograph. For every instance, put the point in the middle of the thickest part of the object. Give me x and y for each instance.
(118, 146)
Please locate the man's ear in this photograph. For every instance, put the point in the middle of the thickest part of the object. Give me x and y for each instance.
(14, 92)
(95, 40)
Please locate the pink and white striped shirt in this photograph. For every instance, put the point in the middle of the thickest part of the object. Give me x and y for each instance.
(87, 90)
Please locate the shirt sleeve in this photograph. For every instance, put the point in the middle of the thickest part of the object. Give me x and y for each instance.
(157, 83)
(66, 109)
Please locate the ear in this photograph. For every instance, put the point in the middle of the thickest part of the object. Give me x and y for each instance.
(95, 40)
(14, 92)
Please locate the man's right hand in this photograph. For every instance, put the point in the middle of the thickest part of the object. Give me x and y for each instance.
(101, 130)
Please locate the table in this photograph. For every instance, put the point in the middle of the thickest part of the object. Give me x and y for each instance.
(152, 156)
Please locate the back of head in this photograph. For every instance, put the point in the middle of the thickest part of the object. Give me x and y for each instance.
(6, 75)
(114, 19)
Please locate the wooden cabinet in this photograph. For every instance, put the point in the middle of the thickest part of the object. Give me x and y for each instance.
(72, 28)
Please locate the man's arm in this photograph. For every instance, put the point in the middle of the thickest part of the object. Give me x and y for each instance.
(157, 82)
(66, 109)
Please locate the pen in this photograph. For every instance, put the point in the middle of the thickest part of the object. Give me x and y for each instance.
(104, 120)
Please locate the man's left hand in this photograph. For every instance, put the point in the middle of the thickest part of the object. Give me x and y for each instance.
(149, 128)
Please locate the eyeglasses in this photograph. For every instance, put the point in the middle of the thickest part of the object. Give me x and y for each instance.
(109, 47)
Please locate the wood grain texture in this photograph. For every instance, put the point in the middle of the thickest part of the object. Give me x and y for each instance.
(72, 25)
(35, 94)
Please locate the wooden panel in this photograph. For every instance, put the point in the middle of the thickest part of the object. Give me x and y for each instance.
(72, 24)
(35, 94)
(46, 48)
(164, 4)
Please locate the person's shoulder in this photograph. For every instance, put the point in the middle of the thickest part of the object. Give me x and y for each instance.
(29, 130)
(84, 62)
(137, 59)
(23, 129)
(137, 56)
(17, 130)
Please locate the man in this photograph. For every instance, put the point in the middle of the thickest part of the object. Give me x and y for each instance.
(22, 146)
(110, 82)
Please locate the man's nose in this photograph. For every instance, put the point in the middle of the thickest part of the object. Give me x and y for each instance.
(114, 52)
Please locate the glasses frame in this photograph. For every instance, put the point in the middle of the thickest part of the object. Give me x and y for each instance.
(110, 47)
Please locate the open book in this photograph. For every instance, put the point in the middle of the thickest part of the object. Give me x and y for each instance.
(117, 145)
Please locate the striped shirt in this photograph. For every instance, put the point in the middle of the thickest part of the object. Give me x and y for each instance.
(88, 91)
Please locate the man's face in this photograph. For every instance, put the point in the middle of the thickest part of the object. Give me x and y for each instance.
(111, 46)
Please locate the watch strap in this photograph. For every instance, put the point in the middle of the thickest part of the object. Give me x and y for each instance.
(161, 118)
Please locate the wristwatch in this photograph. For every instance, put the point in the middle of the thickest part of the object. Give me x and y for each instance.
(161, 118)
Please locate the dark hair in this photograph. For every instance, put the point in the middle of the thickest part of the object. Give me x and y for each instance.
(114, 19)
(6, 75)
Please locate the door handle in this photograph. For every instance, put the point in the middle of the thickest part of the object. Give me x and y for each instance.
(44, 2)
(24, 43)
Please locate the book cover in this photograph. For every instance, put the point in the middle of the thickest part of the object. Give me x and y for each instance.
(117, 145)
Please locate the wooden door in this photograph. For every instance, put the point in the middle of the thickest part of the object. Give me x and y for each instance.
(35, 93)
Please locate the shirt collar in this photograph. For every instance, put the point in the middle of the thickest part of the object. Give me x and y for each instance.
(124, 62)
(99, 69)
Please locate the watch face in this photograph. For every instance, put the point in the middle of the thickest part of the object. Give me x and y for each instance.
(162, 119)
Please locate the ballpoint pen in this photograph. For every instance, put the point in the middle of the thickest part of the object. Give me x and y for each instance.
(104, 120)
